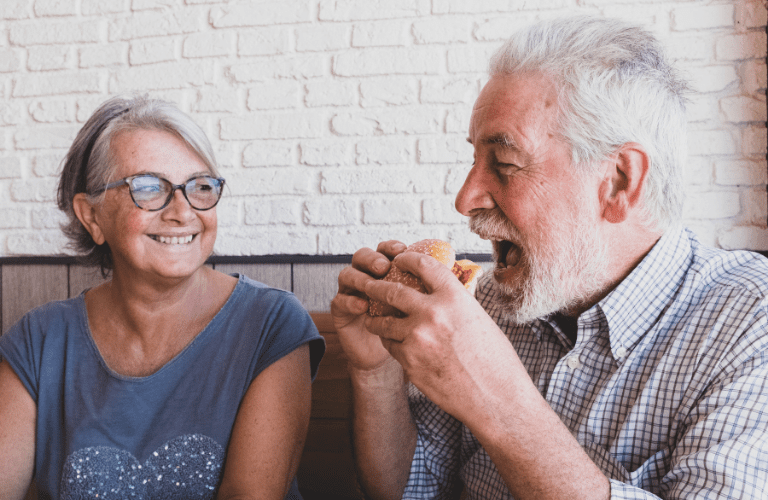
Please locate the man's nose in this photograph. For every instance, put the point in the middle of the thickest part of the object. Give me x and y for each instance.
(475, 192)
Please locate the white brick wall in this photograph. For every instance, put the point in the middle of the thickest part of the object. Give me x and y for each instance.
(339, 123)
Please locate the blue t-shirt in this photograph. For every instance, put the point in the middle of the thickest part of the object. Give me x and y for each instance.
(164, 436)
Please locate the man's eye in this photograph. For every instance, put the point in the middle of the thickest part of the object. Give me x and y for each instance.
(507, 169)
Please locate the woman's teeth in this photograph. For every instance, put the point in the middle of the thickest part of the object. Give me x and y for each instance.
(174, 240)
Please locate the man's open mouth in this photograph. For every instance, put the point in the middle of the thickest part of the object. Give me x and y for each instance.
(507, 253)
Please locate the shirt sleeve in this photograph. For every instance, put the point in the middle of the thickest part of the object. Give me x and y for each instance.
(436, 460)
(722, 447)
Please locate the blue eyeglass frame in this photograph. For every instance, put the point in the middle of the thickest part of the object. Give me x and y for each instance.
(127, 180)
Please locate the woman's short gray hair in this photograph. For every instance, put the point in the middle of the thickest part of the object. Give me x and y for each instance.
(615, 87)
(89, 164)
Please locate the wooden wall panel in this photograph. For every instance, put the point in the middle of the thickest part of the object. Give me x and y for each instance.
(82, 277)
(316, 284)
(26, 286)
(274, 275)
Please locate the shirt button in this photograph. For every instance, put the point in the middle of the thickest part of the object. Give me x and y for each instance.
(573, 362)
(621, 352)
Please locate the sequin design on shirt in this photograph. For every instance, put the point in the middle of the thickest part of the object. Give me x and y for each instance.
(186, 467)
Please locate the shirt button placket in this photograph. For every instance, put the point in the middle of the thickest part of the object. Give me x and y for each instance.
(573, 362)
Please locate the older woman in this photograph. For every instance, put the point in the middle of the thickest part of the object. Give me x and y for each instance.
(171, 380)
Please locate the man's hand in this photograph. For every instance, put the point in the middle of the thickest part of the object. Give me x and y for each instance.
(447, 344)
(349, 307)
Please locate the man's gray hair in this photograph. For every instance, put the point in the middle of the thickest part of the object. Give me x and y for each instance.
(615, 87)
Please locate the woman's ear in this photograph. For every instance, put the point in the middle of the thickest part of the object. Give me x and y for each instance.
(86, 213)
(623, 184)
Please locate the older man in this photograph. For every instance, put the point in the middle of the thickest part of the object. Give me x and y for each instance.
(610, 354)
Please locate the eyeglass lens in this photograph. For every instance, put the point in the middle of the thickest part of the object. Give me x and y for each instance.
(153, 193)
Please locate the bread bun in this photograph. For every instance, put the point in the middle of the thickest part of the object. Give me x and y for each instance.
(465, 270)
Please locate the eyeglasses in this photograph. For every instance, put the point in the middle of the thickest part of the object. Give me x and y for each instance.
(150, 192)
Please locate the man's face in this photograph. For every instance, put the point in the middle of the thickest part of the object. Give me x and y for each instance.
(524, 195)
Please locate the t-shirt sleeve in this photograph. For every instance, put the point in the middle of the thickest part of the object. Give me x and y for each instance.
(22, 349)
(288, 326)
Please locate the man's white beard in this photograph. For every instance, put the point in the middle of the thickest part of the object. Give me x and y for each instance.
(563, 266)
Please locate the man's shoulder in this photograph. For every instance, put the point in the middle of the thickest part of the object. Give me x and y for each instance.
(738, 270)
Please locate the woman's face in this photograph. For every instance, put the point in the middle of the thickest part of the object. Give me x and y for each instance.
(155, 244)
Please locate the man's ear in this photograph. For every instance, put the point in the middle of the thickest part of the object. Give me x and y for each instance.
(623, 183)
(86, 213)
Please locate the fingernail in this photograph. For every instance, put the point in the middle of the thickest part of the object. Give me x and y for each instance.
(380, 265)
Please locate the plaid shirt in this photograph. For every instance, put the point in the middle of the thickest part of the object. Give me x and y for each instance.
(666, 387)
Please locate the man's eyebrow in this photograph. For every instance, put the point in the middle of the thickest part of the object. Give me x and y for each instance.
(501, 139)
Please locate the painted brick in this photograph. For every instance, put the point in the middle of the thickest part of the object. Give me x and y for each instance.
(444, 150)
(331, 212)
(56, 84)
(34, 189)
(469, 59)
(261, 14)
(11, 112)
(273, 211)
(690, 48)
(449, 91)
(379, 92)
(389, 211)
(13, 218)
(137, 5)
(751, 14)
(711, 142)
(712, 78)
(429, 179)
(220, 98)
(100, 7)
(36, 242)
(321, 38)
(258, 240)
(209, 44)
(384, 150)
(740, 173)
(357, 10)
(366, 181)
(51, 111)
(101, 55)
(48, 165)
(418, 121)
(330, 93)
(387, 61)
(45, 8)
(324, 153)
(741, 46)
(501, 28)
(47, 218)
(10, 60)
(743, 109)
(457, 119)
(266, 181)
(272, 126)
(263, 41)
(712, 205)
(10, 167)
(744, 237)
(655, 16)
(274, 95)
(87, 105)
(55, 33)
(440, 30)
(379, 34)
(700, 17)
(47, 137)
(441, 211)
(152, 51)
(753, 76)
(340, 241)
(753, 142)
(300, 67)
(755, 204)
(471, 243)
(151, 24)
(269, 154)
(703, 108)
(228, 213)
(163, 76)
(699, 172)
(15, 9)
